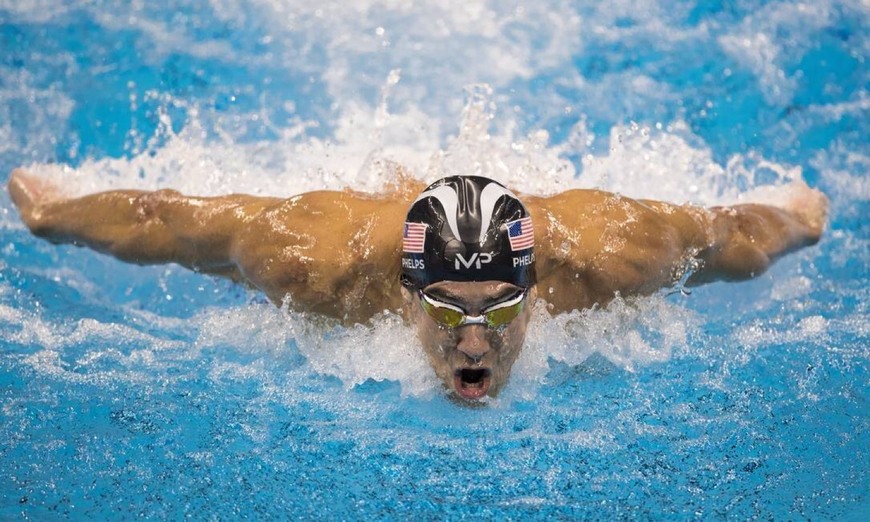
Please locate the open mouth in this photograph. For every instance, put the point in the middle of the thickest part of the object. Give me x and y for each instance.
(472, 383)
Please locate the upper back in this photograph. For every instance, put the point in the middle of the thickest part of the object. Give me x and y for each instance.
(338, 253)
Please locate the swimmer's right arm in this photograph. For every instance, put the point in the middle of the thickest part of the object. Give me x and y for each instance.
(137, 226)
(334, 253)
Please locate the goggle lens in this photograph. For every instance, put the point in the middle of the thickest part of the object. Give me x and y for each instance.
(451, 316)
(504, 315)
(442, 315)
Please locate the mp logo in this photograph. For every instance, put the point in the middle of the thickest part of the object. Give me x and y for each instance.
(476, 259)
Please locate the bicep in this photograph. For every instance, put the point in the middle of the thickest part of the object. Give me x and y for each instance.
(595, 244)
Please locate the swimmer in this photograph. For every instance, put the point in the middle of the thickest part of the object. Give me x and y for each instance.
(465, 265)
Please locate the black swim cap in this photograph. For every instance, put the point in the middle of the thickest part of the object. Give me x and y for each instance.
(467, 228)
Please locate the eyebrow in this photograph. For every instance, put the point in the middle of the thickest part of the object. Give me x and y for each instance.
(451, 297)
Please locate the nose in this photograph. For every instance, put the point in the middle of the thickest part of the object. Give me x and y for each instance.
(473, 342)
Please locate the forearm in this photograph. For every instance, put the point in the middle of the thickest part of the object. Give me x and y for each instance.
(149, 227)
(745, 239)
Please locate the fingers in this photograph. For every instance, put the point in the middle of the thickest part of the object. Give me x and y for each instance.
(31, 194)
(29, 191)
(18, 189)
(810, 206)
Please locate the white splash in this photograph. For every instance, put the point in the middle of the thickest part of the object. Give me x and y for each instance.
(627, 333)
(760, 43)
(48, 108)
(389, 109)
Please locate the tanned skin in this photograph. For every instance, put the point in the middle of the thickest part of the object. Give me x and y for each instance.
(338, 253)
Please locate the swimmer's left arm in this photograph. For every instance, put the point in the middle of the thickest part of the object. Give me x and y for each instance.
(592, 245)
(743, 240)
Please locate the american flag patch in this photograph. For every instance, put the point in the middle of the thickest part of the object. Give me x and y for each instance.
(521, 234)
(413, 237)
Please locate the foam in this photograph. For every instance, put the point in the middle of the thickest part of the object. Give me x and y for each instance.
(92, 352)
(48, 109)
(628, 334)
(669, 164)
(387, 350)
(756, 334)
(389, 110)
(759, 43)
(459, 42)
(36, 11)
(411, 124)
(845, 174)
(792, 288)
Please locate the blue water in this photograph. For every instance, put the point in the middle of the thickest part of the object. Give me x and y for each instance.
(153, 392)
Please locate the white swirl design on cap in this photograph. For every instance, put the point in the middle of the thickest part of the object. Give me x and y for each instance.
(449, 201)
(488, 198)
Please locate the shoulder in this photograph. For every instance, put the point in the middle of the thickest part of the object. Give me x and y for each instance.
(330, 250)
(595, 221)
(584, 222)
(591, 244)
(589, 208)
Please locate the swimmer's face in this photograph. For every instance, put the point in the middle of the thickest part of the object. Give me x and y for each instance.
(473, 360)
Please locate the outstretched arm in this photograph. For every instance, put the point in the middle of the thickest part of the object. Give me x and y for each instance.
(137, 226)
(746, 238)
(334, 253)
(592, 245)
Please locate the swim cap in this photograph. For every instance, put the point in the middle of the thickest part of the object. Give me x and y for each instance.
(467, 228)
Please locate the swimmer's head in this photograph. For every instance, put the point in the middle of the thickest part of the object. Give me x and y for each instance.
(467, 228)
(468, 281)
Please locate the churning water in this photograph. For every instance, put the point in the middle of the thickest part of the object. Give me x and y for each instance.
(150, 391)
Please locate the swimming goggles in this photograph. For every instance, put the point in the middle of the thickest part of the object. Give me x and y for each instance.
(452, 316)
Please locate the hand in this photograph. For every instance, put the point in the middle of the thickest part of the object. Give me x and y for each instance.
(807, 204)
(31, 194)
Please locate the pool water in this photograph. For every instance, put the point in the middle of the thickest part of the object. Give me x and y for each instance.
(154, 392)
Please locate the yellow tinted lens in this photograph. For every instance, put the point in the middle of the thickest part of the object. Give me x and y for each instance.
(445, 316)
(504, 315)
